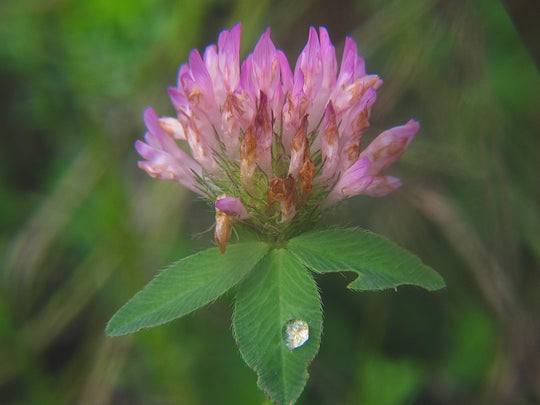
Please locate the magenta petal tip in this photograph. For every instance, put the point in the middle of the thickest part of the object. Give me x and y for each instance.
(233, 207)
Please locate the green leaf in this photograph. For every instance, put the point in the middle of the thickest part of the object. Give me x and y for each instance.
(278, 292)
(185, 286)
(378, 262)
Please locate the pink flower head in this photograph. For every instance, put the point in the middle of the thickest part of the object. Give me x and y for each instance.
(260, 133)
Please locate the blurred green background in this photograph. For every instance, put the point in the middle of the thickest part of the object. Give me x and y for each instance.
(82, 228)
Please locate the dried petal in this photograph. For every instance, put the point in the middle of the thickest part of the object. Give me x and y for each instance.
(329, 143)
(248, 155)
(262, 127)
(306, 176)
(223, 230)
(284, 191)
(299, 148)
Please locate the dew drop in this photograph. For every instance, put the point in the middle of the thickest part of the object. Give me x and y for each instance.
(296, 333)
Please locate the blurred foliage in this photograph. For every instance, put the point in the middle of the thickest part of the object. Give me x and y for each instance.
(83, 228)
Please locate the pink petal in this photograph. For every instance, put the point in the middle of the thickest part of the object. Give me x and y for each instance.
(211, 62)
(200, 148)
(324, 74)
(159, 138)
(229, 57)
(200, 74)
(348, 63)
(353, 182)
(309, 62)
(183, 70)
(382, 185)
(264, 52)
(389, 146)
(233, 207)
(173, 127)
(246, 77)
(265, 64)
(312, 66)
(178, 99)
(166, 161)
(286, 72)
(328, 55)
(200, 93)
(163, 167)
(354, 119)
(349, 152)
(210, 59)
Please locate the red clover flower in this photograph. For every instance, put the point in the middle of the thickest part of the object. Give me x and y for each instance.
(273, 147)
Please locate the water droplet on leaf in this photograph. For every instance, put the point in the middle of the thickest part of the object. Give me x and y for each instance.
(296, 333)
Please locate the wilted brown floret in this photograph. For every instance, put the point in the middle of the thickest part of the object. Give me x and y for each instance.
(248, 157)
(306, 176)
(284, 191)
(223, 230)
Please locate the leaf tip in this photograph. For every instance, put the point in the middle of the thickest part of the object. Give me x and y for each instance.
(111, 330)
(438, 284)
